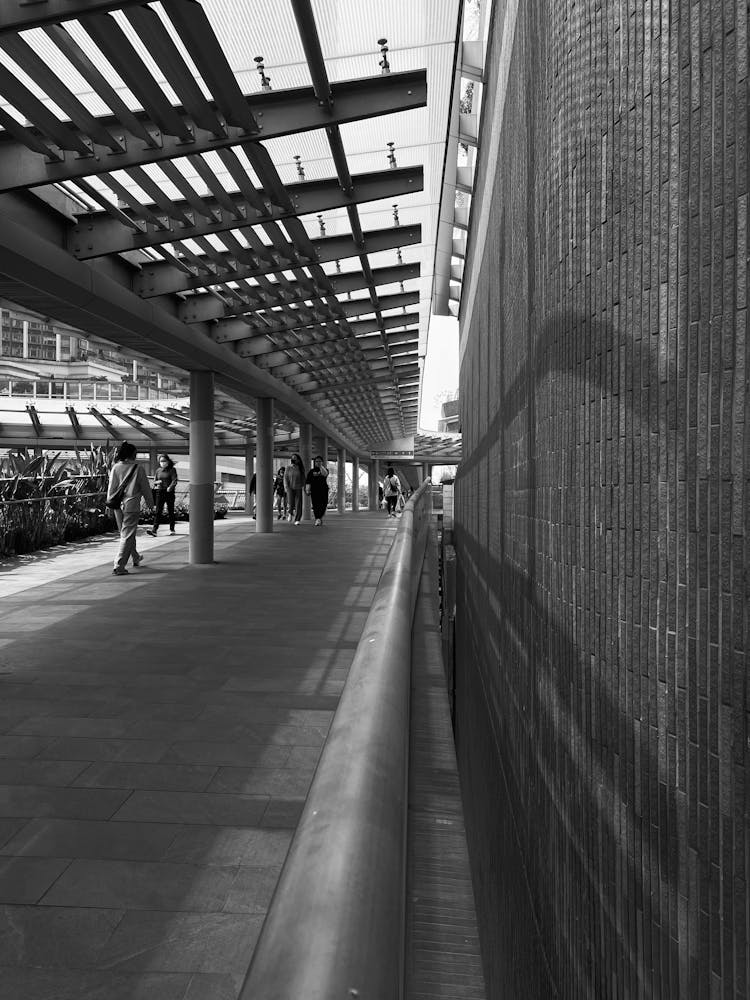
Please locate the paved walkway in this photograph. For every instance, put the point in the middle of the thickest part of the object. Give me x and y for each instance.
(158, 734)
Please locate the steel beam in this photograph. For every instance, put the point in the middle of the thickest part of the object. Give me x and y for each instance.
(267, 324)
(97, 234)
(372, 345)
(203, 308)
(18, 15)
(40, 275)
(233, 329)
(163, 279)
(278, 113)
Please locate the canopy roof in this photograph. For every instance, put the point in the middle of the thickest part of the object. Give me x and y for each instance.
(163, 425)
(248, 188)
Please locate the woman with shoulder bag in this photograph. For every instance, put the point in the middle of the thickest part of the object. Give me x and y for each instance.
(391, 490)
(127, 484)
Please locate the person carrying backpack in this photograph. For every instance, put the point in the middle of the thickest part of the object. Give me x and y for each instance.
(391, 490)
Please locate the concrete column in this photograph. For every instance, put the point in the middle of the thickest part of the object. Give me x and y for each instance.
(305, 450)
(202, 468)
(355, 483)
(264, 465)
(341, 480)
(249, 468)
(153, 460)
(58, 347)
(25, 338)
(425, 471)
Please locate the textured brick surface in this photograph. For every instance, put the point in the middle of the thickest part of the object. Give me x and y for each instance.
(602, 507)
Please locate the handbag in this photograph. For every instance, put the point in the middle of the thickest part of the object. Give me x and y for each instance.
(115, 503)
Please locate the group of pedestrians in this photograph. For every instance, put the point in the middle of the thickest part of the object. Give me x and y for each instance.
(129, 485)
(292, 482)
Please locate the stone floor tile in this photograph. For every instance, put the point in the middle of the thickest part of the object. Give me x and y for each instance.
(8, 829)
(193, 807)
(66, 803)
(303, 758)
(23, 746)
(284, 813)
(214, 986)
(45, 725)
(144, 885)
(47, 984)
(252, 890)
(54, 936)
(25, 880)
(182, 942)
(39, 772)
(127, 751)
(274, 781)
(174, 777)
(239, 753)
(206, 845)
(70, 838)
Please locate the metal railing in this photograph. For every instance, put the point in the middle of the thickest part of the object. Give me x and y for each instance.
(335, 927)
(93, 392)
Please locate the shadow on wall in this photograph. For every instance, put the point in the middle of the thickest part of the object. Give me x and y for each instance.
(579, 693)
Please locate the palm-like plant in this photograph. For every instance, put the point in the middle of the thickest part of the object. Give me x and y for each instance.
(44, 501)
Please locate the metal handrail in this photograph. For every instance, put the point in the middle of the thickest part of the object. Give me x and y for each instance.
(335, 927)
(52, 497)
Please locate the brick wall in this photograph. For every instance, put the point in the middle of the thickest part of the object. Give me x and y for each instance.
(602, 504)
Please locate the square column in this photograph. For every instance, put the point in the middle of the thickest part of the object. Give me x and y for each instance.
(264, 465)
(341, 480)
(202, 468)
(355, 484)
(305, 450)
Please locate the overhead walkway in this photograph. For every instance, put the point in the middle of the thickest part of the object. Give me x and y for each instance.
(158, 737)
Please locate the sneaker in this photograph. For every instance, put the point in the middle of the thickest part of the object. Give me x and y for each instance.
(150, 531)
(172, 531)
(317, 521)
(290, 518)
(296, 522)
(137, 560)
(119, 571)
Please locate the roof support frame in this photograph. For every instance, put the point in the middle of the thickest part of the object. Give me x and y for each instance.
(280, 113)
(97, 235)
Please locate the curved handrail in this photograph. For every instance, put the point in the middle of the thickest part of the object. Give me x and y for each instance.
(335, 927)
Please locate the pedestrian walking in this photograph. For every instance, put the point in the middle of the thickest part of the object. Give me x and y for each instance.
(294, 481)
(279, 494)
(165, 483)
(316, 487)
(128, 483)
(391, 490)
(252, 490)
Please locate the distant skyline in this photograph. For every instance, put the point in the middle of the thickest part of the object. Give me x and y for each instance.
(440, 370)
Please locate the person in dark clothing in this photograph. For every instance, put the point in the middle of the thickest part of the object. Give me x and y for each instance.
(253, 491)
(316, 487)
(165, 481)
(279, 492)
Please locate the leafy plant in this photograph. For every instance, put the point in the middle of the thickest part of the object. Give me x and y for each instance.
(44, 501)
